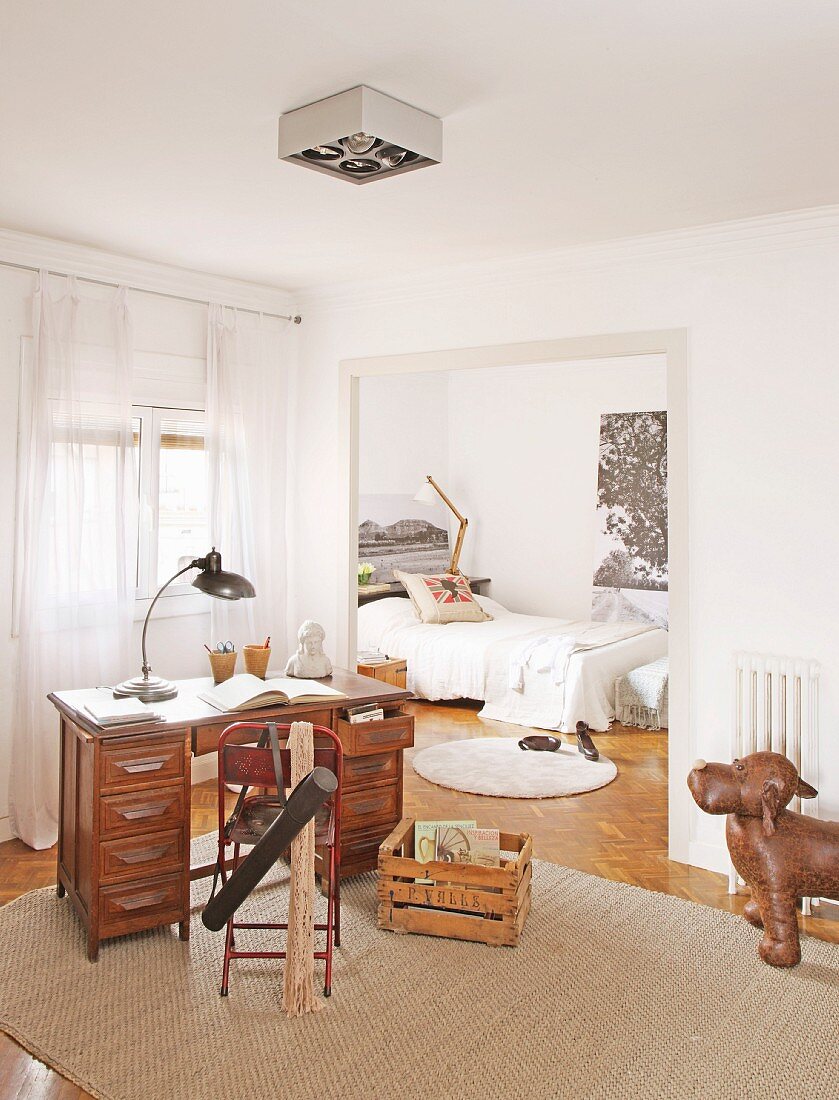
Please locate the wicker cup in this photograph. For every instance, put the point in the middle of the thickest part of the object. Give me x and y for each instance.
(256, 660)
(223, 666)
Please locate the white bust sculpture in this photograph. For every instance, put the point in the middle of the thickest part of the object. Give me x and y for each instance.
(309, 660)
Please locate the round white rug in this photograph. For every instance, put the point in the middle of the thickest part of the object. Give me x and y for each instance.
(497, 766)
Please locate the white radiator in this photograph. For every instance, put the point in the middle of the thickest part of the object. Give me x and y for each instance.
(776, 708)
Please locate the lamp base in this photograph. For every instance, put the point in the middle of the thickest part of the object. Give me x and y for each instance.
(150, 689)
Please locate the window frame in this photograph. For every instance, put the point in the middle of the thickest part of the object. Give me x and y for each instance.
(179, 598)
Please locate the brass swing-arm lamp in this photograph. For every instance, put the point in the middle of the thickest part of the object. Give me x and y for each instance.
(213, 580)
(426, 496)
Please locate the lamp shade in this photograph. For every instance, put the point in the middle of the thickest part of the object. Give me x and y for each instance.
(427, 495)
(217, 582)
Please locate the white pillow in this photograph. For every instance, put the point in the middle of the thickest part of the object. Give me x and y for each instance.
(377, 616)
(492, 607)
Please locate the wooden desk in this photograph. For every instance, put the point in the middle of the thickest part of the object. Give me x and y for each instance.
(397, 588)
(123, 836)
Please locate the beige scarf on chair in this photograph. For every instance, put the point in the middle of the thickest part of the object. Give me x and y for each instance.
(298, 992)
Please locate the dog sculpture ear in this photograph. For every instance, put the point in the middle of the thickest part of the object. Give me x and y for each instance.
(805, 790)
(770, 796)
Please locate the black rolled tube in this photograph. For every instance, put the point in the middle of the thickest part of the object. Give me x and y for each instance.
(303, 803)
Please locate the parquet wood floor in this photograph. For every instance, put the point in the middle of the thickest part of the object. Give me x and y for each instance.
(618, 832)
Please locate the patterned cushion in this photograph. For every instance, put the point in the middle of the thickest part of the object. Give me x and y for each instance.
(442, 598)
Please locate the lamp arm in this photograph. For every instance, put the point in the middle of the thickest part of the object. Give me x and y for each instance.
(197, 563)
(462, 520)
(446, 500)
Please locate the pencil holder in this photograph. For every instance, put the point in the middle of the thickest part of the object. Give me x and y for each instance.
(223, 666)
(256, 660)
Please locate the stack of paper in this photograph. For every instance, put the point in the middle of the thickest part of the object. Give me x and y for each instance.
(119, 712)
(371, 657)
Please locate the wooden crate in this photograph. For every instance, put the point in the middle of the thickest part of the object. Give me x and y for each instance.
(482, 904)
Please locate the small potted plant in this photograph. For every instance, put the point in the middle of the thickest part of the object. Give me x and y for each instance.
(365, 572)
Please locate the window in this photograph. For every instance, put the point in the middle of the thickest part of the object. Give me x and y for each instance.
(174, 526)
(86, 467)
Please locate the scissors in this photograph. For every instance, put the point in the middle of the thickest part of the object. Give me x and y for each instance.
(225, 647)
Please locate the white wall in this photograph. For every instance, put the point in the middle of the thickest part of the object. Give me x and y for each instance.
(170, 357)
(523, 451)
(403, 432)
(759, 301)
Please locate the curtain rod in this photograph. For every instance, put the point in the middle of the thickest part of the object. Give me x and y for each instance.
(295, 318)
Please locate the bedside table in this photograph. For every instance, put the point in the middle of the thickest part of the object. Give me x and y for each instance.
(393, 671)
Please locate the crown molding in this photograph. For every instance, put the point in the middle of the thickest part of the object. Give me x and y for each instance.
(67, 258)
(700, 244)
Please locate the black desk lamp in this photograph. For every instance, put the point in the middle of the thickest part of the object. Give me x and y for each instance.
(215, 582)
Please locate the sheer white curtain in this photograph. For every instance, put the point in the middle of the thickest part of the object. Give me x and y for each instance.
(247, 409)
(75, 530)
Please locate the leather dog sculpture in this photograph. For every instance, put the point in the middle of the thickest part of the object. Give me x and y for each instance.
(781, 855)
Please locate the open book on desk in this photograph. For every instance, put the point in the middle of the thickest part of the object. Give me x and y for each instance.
(246, 692)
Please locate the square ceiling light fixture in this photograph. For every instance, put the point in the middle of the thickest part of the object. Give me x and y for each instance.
(360, 135)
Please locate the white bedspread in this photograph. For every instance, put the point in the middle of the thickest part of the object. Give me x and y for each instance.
(472, 661)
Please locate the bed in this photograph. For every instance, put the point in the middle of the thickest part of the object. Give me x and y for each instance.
(475, 661)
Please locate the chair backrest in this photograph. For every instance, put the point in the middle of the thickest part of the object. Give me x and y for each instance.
(243, 761)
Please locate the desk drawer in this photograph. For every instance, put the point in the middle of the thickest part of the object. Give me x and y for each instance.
(365, 738)
(135, 905)
(206, 738)
(133, 856)
(368, 771)
(360, 850)
(141, 812)
(362, 808)
(146, 764)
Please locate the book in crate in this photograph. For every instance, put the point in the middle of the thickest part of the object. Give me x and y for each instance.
(457, 900)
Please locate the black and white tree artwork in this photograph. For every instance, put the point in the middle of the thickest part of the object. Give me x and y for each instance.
(630, 575)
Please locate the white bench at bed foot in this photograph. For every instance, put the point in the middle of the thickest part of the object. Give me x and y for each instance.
(641, 696)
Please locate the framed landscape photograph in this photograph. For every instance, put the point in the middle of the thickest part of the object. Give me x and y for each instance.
(398, 532)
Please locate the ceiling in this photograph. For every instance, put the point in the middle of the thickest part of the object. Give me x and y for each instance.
(151, 128)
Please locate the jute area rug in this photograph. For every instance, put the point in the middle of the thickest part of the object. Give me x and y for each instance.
(613, 992)
(497, 766)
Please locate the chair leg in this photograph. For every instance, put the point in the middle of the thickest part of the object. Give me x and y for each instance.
(222, 859)
(236, 850)
(337, 888)
(228, 947)
(330, 924)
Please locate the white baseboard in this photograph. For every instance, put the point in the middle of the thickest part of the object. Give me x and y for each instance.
(204, 768)
(5, 828)
(710, 856)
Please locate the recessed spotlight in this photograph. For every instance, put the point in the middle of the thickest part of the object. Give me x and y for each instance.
(394, 157)
(322, 152)
(359, 167)
(361, 143)
(360, 135)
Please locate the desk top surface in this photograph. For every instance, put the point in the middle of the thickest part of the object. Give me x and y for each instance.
(186, 709)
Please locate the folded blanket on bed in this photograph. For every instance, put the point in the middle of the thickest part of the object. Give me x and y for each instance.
(525, 675)
(544, 654)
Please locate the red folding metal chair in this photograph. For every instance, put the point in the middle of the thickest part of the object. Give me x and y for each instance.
(246, 758)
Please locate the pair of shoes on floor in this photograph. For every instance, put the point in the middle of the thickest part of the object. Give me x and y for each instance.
(585, 745)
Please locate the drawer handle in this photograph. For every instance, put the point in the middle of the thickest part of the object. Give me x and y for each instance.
(146, 811)
(140, 855)
(387, 735)
(151, 765)
(365, 807)
(140, 901)
(365, 769)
